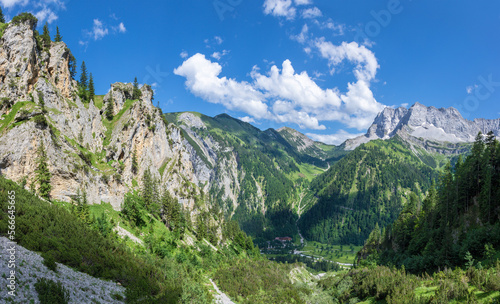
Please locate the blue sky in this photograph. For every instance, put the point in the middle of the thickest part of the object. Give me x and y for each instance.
(323, 67)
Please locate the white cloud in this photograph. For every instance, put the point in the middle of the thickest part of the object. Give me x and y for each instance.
(12, 3)
(303, 36)
(337, 28)
(218, 40)
(280, 8)
(99, 31)
(366, 61)
(247, 119)
(121, 28)
(300, 89)
(203, 81)
(311, 13)
(303, 2)
(46, 14)
(184, 54)
(219, 55)
(471, 88)
(333, 139)
(405, 105)
(281, 95)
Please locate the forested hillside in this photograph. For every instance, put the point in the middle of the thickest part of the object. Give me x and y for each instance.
(369, 186)
(456, 224)
(258, 178)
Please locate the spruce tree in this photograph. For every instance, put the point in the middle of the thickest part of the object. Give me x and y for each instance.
(42, 173)
(91, 88)
(58, 37)
(136, 94)
(2, 18)
(135, 165)
(83, 76)
(110, 108)
(46, 35)
(72, 66)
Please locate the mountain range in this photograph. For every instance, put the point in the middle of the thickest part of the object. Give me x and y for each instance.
(264, 179)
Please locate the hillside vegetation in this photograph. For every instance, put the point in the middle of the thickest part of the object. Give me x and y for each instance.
(369, 186)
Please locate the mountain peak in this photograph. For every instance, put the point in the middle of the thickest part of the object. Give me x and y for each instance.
(428, 123)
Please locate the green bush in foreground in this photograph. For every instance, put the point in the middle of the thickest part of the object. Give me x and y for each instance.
(50, 292)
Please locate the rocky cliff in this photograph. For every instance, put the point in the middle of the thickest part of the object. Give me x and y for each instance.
(426, 124)
(86, 151)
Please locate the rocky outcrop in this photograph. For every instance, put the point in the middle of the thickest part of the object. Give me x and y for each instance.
(19, 65)
(427, 124)
(85, 150)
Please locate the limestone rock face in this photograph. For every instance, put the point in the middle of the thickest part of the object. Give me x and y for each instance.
(85, 150)
(58, 68)
(18, 61)
(425, 123)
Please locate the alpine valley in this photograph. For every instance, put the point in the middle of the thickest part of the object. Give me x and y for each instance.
(116, 201)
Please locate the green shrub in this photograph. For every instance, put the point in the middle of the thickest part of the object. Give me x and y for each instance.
(23, 17)
(50, 292)
(259, 281)
(6, 103)
(41, 121)
(49, 261)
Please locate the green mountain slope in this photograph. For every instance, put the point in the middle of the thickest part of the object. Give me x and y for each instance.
(368, 186)
(258, 177)
(458, 221)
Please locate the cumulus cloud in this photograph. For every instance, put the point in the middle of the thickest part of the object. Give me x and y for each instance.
(280, 8)
(184, 54)
(247, 119)
(202, 79)
(46, 14)
(367, 64)
(311, 13)
(281, 95)
(333, 139)
(12, 3)
(300, 89)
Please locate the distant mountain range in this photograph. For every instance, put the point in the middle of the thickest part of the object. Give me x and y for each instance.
(425, 123)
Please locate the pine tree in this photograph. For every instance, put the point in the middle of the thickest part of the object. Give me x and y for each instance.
(91, 88)
(2, 18)
(110, 108)
(135, 165)
(42, 173)
(170, 210)
(72, 66)
(136, 94)
(150, 193)
(58, 37)
(83, 76)
(46, 35)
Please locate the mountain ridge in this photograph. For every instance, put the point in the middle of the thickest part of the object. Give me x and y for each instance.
(429, 123)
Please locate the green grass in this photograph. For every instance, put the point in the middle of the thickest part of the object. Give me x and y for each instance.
(9, 118)
(307, 171)
(347, 257)
(163, 166)
(3, 26)
(110, 125)
(97, 160)
(99, 101)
